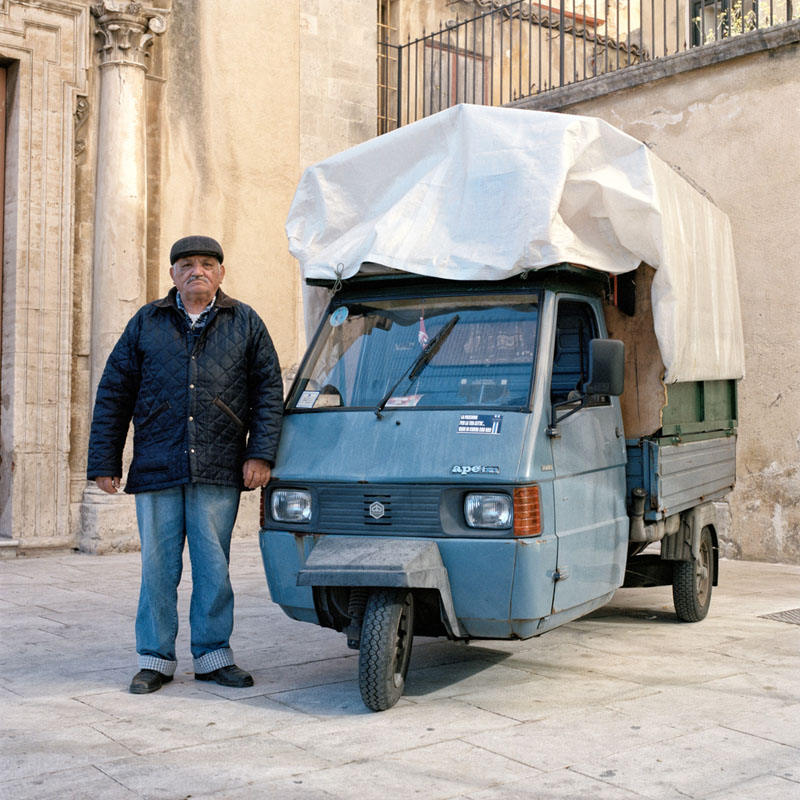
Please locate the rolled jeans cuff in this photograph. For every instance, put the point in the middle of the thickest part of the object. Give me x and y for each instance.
(214, 660)
(158, 664)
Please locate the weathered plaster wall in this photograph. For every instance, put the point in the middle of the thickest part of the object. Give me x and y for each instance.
(229, 143)
(254, 92)
(229, 134)
(338, 100)
(732, 128)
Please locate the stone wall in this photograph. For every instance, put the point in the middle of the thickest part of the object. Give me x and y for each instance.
(338, 92)
(238, 99)
(46, 49)
(218, 93)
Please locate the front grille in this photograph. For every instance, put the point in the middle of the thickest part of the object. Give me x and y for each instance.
(377, 509)
(353, 509)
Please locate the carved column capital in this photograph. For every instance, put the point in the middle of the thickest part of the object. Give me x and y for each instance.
(127, 30)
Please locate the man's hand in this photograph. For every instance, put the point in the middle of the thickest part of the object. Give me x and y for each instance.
(108, 485)
(256, 472)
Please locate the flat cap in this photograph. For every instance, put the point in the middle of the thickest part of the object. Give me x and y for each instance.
(195, 246)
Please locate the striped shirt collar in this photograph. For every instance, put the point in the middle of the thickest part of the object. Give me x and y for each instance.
(202, 319)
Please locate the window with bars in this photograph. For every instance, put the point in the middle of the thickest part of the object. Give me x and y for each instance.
(453, 76)
(387, 65)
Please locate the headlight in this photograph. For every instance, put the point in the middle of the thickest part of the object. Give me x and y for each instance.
(488, 510)
(290, 505)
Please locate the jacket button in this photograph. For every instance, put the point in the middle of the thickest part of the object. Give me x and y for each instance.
(191, 386)
(191, 419)
(192, 450)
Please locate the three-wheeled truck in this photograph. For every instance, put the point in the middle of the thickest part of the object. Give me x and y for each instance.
(484, 440)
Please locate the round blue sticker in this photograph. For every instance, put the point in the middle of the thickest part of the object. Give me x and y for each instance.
(339, 316)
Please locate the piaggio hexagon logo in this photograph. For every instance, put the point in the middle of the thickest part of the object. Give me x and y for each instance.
(376, 510)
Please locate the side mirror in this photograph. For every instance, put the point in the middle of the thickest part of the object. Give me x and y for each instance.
(606, 367)
(606, 377)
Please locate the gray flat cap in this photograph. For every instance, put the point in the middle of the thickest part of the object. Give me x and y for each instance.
(195, 246)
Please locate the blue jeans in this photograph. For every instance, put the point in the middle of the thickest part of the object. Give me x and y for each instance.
(204, 515)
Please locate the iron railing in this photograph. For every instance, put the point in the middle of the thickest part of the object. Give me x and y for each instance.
(523, 48)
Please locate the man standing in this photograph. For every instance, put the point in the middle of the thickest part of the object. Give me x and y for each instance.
(199, 376)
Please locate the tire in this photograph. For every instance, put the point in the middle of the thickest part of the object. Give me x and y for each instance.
(693, 580)
(386, 637)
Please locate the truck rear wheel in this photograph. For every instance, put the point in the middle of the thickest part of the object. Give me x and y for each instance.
(386, 636)
(692, 582)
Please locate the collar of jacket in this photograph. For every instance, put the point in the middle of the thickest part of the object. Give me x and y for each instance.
(170, 301)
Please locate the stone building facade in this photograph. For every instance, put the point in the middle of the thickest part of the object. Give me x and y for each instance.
(129, 125)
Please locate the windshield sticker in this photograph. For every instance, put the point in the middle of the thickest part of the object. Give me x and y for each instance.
(403, 402)
(307, 399)
(480, 423)
(339, 316)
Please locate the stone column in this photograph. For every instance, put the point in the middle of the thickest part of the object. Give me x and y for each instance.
(125, 31)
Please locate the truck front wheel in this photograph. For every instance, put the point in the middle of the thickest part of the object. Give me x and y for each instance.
(692, 582)
(386, 636)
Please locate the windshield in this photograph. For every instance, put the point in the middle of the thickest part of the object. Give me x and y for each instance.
(366, 348)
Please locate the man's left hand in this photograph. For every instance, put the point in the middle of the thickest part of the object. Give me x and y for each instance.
(256, 472)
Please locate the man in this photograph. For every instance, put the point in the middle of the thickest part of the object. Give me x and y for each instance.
(199, 376)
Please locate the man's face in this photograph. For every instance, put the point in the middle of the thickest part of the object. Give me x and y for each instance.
(197, 278)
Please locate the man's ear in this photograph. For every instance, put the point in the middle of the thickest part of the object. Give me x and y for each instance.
(172, 273)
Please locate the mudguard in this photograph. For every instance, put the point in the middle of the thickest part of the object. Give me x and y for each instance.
(356, 561)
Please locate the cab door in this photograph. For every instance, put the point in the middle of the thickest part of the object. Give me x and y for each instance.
(589, 468)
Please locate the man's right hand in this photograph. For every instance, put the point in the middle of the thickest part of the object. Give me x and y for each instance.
(108, 485)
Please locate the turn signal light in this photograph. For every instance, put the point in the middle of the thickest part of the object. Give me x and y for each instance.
(527, 512)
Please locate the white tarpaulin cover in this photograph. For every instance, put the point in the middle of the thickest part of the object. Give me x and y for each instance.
(481, 193)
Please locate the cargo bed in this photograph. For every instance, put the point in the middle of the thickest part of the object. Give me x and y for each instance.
(680, 476)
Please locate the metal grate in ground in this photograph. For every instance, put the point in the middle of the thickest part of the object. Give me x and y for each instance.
(792, 616)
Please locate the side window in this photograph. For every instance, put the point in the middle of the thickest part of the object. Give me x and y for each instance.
(576, 326)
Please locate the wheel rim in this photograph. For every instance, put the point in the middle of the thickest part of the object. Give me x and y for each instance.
(402, 646)
(703, 572)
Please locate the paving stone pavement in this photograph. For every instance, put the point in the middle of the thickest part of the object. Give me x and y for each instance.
(625, 703)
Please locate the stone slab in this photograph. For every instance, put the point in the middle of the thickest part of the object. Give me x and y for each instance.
(70, 784)
(436, 772)
(181, 716)
(625, 703)
(562, 785)
(551, 744)
(212, 767)
(44, 750)
(696, 765)
(365, 735)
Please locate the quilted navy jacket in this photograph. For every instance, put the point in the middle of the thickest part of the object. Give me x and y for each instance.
(200, 405)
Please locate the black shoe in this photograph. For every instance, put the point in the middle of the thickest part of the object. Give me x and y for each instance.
(148, 680)
(227, 676)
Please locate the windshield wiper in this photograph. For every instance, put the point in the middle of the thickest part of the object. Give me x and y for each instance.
(420, 362)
